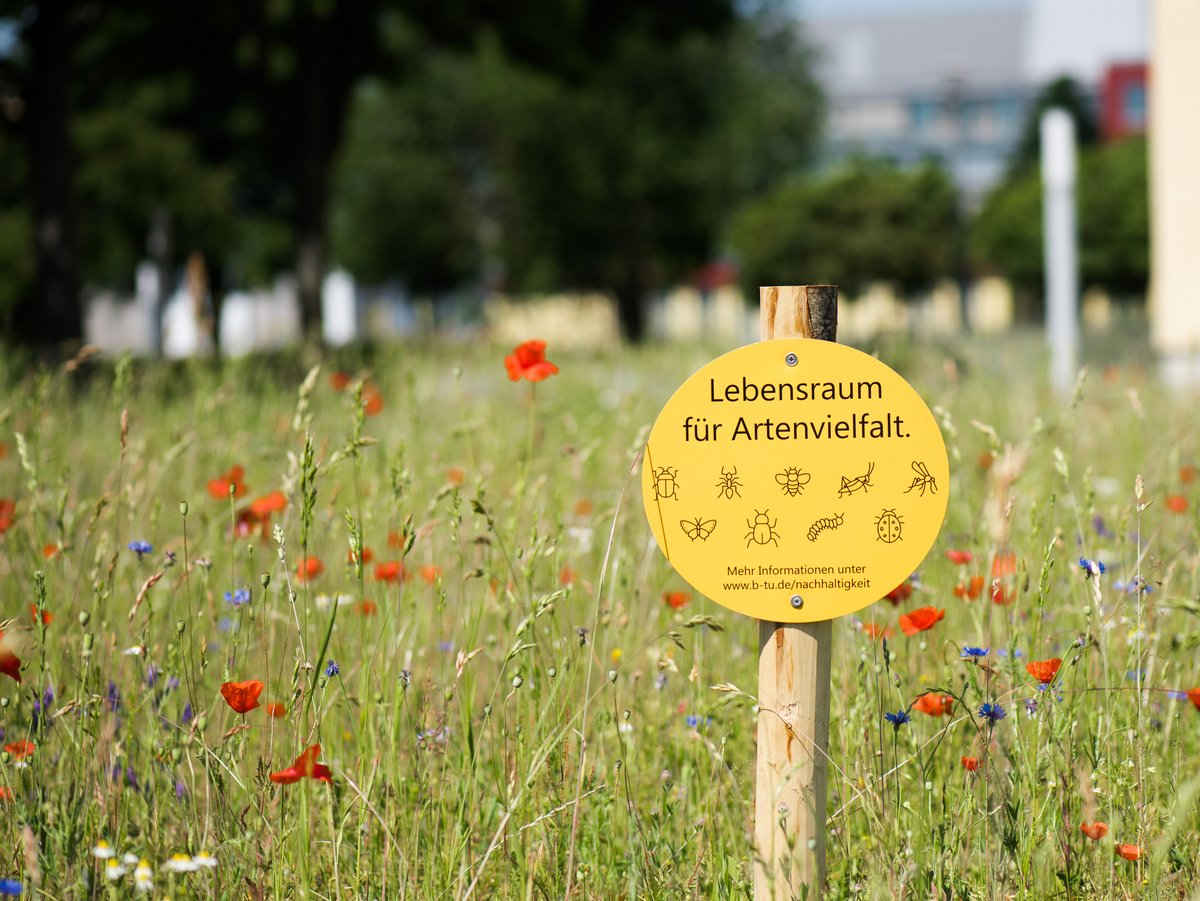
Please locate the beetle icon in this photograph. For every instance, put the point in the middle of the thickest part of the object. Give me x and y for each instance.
(762, 530)
(664, 483)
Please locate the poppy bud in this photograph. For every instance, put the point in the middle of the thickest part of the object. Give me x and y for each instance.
(84, 617)
(183, 508)
(266, 579)
(180, 626)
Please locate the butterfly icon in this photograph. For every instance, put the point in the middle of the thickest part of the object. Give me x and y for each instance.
(697, 528)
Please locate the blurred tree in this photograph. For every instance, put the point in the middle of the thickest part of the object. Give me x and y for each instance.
(866, 221)
(1113, 215)
(1061, 93)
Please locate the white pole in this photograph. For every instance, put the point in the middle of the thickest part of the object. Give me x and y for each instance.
(1061, 246)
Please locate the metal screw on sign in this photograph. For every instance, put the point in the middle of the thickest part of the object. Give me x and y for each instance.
(797, 601)
(791, 360)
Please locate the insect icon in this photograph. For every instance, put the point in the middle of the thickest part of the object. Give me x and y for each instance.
(888, 526)
(729, 484)
(697, 528)
(923, 480)
(858, 483)
(664, 483)
(762, 530)
(793, 480)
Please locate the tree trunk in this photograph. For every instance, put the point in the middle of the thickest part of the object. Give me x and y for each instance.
(335, 47)
(52, 315)
(631, 307)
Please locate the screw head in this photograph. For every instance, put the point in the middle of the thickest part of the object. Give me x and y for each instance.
(791, 359)
(797, 601)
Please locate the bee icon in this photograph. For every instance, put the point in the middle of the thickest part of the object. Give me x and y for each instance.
(793, 480)
(762, 530)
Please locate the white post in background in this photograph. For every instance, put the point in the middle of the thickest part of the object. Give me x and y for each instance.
(1060, 243)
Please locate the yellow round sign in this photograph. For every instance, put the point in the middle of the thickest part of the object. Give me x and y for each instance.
(795, 480)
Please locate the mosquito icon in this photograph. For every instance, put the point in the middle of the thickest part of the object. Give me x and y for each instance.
(923, 479)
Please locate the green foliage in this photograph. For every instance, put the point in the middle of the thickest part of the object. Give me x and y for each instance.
(866, 221)
(130, 169)
(1062, 93)
(1113, 219)
(473, 715)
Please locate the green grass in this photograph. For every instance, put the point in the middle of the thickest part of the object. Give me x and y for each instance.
(513, 720)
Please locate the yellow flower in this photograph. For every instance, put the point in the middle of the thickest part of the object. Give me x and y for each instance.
(616, 655)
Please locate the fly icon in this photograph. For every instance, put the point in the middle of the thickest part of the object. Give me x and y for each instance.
(923, 480)
(762, 530)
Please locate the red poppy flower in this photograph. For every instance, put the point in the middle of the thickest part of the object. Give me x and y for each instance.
(10, 663)
(876, 630)
(367, 555)
(528, 361)
(8, 512)
(567, 576)
(960, 558)
(584, 508)
(5, 794)
(20, 749)
(934, 705)
(1194, 696)
(970, 764)
(1000, 594)
(969, 591)
(921, 619)
(220, 487)
(339, 380)
(1177, 503)
(901, 592)
(276, 710)
(1005, 564)
(393, 571)
(263, 507)
(372, 400)
(1094, 831)
(985, 460)
(47, 617)
(367, 607)
(456, 475)
(430, 574)
(676, 599)
(241, 696)
(1187, 473)
(1129, 852)
(1044, 670)
(304, 765)
(309, 568)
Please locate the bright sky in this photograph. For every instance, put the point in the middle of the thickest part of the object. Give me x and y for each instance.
(846, 7)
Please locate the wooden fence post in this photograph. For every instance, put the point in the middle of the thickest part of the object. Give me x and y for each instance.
(793, 683)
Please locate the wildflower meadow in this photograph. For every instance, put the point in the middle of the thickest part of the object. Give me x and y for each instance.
(392, 624)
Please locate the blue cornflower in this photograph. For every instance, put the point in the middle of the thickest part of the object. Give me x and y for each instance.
(1031, 706)
(1176, 695)
(1101, 529)
(332, 669)
(187, 716)
(10, 887)
(1092, 567)
(974, 652)
(992, 712)
(898, 719)
(238, 598)
(141, 548)
(694, 722)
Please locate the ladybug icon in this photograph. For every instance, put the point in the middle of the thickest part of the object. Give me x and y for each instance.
(888, 527)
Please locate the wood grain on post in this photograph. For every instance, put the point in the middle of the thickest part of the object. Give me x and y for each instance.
(793, 683)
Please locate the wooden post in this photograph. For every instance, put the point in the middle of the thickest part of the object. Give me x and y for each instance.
(793, 683)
